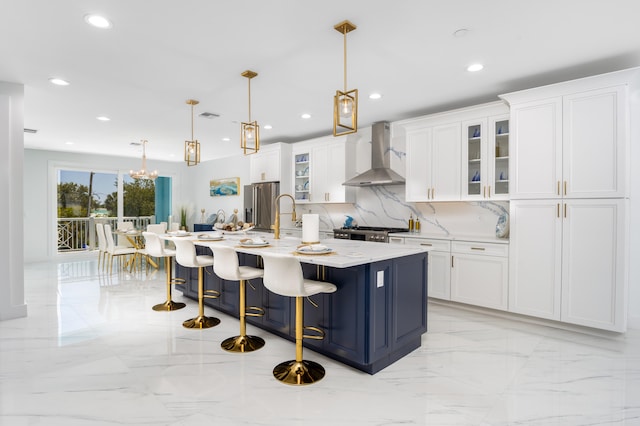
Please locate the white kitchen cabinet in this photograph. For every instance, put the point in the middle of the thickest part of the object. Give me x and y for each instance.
(452, 156)
(332, 163)
(568, 259)
(485, 154)
(438, 269)
(271, 164)
(479, 274)
(301, 174)
(571, 145)
(433, 163)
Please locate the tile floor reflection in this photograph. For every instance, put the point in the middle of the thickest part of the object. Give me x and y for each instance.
(93, 352)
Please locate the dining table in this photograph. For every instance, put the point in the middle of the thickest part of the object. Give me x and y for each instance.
(135, 238)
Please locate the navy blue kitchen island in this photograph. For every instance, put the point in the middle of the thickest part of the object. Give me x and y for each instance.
(377, 315)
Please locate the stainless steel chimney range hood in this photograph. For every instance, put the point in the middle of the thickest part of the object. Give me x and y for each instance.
(380, 172)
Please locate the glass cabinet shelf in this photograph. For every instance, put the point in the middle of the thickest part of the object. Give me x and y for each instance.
(301, 164)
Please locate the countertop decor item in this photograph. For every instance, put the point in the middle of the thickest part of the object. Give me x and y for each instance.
(502, 227)
(310, 228)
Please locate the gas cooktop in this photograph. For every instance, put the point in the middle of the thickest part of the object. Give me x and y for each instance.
(374, 228)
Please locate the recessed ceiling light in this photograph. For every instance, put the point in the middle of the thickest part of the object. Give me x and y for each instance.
(68, 143)
(226, 139)
(268, 126)
(475, 67)
(375, 96)
(305, 116)
(103, 118)
(98, 21)
(58, 81)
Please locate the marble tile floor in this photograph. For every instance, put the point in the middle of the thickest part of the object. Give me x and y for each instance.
(92, 352)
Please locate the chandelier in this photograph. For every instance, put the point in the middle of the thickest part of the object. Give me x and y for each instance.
(192, 147)
(250, 131)
(345, 103)
(143, 173)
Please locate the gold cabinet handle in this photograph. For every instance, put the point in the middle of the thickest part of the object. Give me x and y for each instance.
(565, 187)
(452, 261)
(426, 244)
(489, 191)
(478, 248)
(484, 192)
(433, 193)
(565, 210)
(558, 210)
(558, 189)
(428, 193)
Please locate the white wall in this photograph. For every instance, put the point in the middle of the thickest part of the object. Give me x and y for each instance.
(40, 180)
(197, 191)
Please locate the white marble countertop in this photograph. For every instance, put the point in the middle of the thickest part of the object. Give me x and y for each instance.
(344, 254)
(478, 238)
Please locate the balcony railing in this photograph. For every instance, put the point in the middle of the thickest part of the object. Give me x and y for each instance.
(79, 233)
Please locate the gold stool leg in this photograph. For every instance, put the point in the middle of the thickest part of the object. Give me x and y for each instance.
(242, 343)
(299, 371)
(169, 305)
(201, 321)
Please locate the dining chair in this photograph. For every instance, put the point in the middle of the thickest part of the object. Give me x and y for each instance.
(117, 251)
(102, 245)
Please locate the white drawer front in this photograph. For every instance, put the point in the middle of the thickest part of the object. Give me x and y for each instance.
(439, 245)
(486, 249)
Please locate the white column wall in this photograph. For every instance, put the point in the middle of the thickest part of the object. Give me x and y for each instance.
(12, 303)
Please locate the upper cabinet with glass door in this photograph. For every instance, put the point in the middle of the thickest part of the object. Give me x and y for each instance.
(499, 146)
(301, 171)
(485, 154)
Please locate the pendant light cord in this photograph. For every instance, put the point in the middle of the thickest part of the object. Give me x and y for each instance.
(345, 59)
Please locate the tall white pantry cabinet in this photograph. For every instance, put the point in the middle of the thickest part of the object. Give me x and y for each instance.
(569, 206)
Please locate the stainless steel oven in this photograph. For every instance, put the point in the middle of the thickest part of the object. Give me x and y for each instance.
(366, 233)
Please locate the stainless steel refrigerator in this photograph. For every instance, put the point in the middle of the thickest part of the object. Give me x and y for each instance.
(264, 195)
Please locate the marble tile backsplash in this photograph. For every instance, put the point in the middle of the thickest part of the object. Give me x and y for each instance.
(386, 206)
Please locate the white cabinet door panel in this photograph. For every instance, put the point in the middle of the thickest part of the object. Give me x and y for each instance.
(594, 144)
(593, 263)
(439, 275)
(445, 162)
(536, 149)
(480, 280)
(418, 182)
(535, 267)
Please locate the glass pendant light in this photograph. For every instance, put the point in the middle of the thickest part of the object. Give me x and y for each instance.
(192, 147)
(250, 131)
(345, 103)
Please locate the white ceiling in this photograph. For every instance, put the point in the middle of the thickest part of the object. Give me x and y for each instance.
(160, 53)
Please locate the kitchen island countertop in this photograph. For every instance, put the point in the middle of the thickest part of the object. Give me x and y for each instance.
(344, 254)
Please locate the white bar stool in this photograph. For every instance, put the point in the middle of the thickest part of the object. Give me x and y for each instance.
(186, 256)
(226, 266)
(283, 276)
(154, 246)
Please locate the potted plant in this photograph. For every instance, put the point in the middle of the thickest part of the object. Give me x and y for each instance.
(183, 218)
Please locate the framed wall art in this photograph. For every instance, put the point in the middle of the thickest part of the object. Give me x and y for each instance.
(224, 187)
